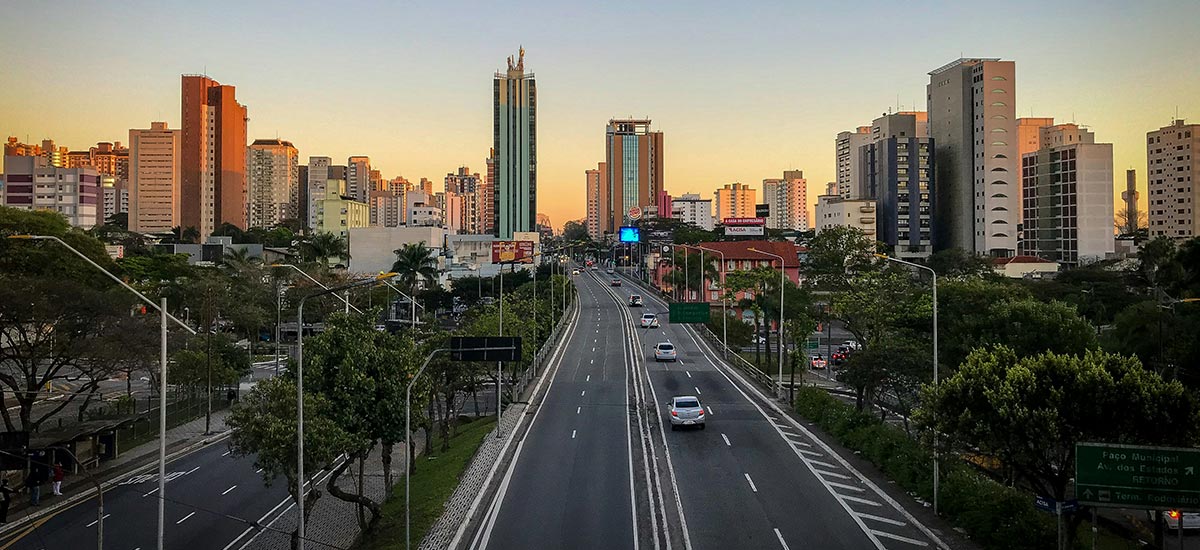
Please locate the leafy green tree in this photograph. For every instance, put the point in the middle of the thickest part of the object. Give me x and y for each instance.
(1029, 412)
(685, 274)
(1027, 326)
(415, 263)
(958, 263)
(322, 247)
(575, 231)
(1163, 338)
(49, 260)
(239, 260)
(835, 255)
(882, 304)
(212, 359)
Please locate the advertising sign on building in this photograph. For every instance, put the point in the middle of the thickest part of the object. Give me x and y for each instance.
(743, 230)
(635, 212)
(762, 210)
(744, 221)
(512, 252)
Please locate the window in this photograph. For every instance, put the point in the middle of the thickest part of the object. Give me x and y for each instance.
(999, 91)
(998, 78)
(999, 144)
(999, 104)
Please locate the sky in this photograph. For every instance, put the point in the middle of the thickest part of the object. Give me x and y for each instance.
(741, 92)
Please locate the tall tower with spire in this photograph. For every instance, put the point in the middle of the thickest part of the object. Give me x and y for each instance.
(514, 138)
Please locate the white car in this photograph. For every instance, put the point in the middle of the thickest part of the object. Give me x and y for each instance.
(649, 320)
(664, 351)
(574, 272)
(1191, 520)
(686, 411)
(817, 362)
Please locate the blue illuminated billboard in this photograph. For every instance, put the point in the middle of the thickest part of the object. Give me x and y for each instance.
(630, 234)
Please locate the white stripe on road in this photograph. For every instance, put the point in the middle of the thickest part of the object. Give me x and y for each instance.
(859, 500)
(781, 542)
(697, 390)
(688, 373)
(819, 463)
(884, 520)
(844, 486)
(899, 538)
(727, 443)
(577, 409)
(589, 378)
(229, 489)
(751, 481)
(258, 471)
(572, 434)
(96, 521)
(582, 393)
(834, 474)
(810, 453)
(226, 453)
(185, 518)
(710, 409)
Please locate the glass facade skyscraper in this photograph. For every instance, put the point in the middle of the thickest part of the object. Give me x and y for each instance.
(634, 158)
(514, 136)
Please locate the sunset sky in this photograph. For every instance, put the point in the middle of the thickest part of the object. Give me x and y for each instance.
(742, 91)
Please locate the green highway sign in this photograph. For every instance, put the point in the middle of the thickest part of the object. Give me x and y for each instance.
(812, 344)
(1134, 476)
(689, 312)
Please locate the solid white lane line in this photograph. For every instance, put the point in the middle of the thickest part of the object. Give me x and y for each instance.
(185, 518)
(899, 538)
(882, 520)
(751, 482)
(834, 474)
(859, 500)
(727, 443)
(697, 390)
(229, 489)
(572, 434)
(105, 516)
(844, 486)
(781, 541)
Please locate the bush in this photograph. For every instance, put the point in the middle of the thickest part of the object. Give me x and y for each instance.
(993, 515)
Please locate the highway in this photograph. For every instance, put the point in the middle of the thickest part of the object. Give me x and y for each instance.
(754, 478)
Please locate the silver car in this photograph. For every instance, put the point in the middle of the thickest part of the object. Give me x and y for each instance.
(664, 351)
(686, 411)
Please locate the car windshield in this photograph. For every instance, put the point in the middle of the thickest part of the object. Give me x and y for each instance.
(687, 404)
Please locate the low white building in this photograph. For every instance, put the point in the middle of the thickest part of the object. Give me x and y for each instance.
(834, 211)
(690, 208)
(372, 249)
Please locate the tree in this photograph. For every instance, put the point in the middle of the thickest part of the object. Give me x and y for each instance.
(575, 231)
(191, 367)
(1128, 223)
(1026, 326)
(264, 427)
(322, 247)
(120, 219)
(1029, 412)
(415, 263)
(239, 259)
(190, 235)
(686, 271)
(958, 263)
(49, 260)
(835, 255)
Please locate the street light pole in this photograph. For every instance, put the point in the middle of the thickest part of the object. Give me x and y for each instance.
(162, 394)
(936, 458)
(724, 301)
(782, 274)
(349, 306)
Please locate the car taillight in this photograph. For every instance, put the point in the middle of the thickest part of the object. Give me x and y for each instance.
(674, 413)
(1174, 514)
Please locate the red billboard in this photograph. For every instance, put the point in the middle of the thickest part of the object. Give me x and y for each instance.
(744, 221)
(512, 252)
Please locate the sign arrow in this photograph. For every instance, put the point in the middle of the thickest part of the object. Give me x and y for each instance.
(1087, 493)
(1190, 470)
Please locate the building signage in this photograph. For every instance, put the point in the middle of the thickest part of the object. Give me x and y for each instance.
(635, 212)
(762, 210)
(512, 252)
(1134, 476)
(743, 230)
(744, 221)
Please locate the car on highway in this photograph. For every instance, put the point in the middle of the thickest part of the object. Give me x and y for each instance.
(609, 271)
(817, 362)
(1191, 520)
(686, 411)
(649, 320)
(853, 345)
(841, 355)
(664, 351)
(574, 272)
(615, 282)
(635, 300)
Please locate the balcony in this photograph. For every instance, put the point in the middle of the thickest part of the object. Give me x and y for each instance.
(867, 208)
(867, 220)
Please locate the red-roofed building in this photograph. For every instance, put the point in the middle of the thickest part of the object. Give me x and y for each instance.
(1020, 267)
(737, 257)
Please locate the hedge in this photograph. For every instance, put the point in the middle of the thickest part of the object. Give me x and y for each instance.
(991, 514)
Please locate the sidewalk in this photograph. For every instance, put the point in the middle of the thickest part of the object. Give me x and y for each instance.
(77, 487)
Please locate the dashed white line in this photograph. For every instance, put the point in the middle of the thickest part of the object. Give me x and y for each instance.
(781, 541)
(97, 521)
(899, 538)
(582, 393)
(185, 518)
(697, 390)
(688, 373)
(577, 409)
(859, 500)
(229, 489)
(588, 379)
(727, 443)
(258, 471)
(710, 409)
(882, 520)
(592, 362)
(155, 490)
(572, 434)
(226, 453)
(751, 482)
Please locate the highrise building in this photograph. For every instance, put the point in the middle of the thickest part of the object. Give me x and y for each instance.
(902, 124)
(337, 212)
(514, 139)
(690, 208)
(32, 183)
(899, 175)
(14, 148)
(972, 120)
(1130, 197)
(1068, 190)
(735, 200)
(318, 177)
(273, 172)
(212, 156)
(154, 178)
(1172, 171)
(634, 157)
(116, 198)
(108, 158)
(595, 192)
(468, 187)
(55, 155)
(847, 146)
(787, 199)
(834, 211)
(487, 198)
(358, 177)
(1029, 140)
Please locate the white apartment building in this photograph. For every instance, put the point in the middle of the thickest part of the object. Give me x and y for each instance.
(972, 119)
(788, 201)
(690, 208)
(834, 211)
(31, 183)
(154, 179)
(318, 176)
(358, 178)
(116, 197)
(1172, 172)
(273, 182)
(847, 145)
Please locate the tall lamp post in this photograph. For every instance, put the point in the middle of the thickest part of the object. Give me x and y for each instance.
(782, 275)
(724, 301)
(300, 389)
(162, 377)
(349, 306)
(936, 458)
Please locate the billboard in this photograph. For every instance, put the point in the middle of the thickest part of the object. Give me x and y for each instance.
(744, 221)
(512, 252)
(743, 230)
(630, 234)
(762, 210)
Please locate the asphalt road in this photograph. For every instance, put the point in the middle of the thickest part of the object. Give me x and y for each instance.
(571, 485)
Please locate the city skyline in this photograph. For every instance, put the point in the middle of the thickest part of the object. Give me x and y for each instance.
(1121, 81)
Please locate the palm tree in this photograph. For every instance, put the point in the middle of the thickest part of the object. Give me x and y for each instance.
(415, 262)
(238, 259)
(323, 246)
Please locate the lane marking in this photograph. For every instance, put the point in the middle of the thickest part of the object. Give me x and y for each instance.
(155, 490)
(95, 521)
(258, 471)
(697, 390)
(781, 541)
(229, 489)
(688, 373)
(882, 520)
(810, 453)
(834, 474)
(572, 434)
(185, 518)
(226, 453)
(859, 500)
(846, 487)
(582, 393)
(751, 482)
(589, 378)
(799, 443)
(899, 538)
(727, 443)
(592, 362)
(819, 463)
(577, 409)
(710, 409)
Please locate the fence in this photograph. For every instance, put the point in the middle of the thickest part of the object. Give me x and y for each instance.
(186, 407)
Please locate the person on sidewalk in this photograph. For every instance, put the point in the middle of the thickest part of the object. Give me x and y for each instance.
(58, 479)
(6, 494)
(34, 485)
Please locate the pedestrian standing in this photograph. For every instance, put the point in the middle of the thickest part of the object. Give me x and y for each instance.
(6, 493)
(34, 486)
(58, 479)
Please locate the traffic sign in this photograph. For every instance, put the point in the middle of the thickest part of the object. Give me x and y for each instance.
(690, 312)
(812, 344)
(485, 348)
(1135, 476)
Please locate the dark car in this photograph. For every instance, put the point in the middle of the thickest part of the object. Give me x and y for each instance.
(841, 355)
(616, 282)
